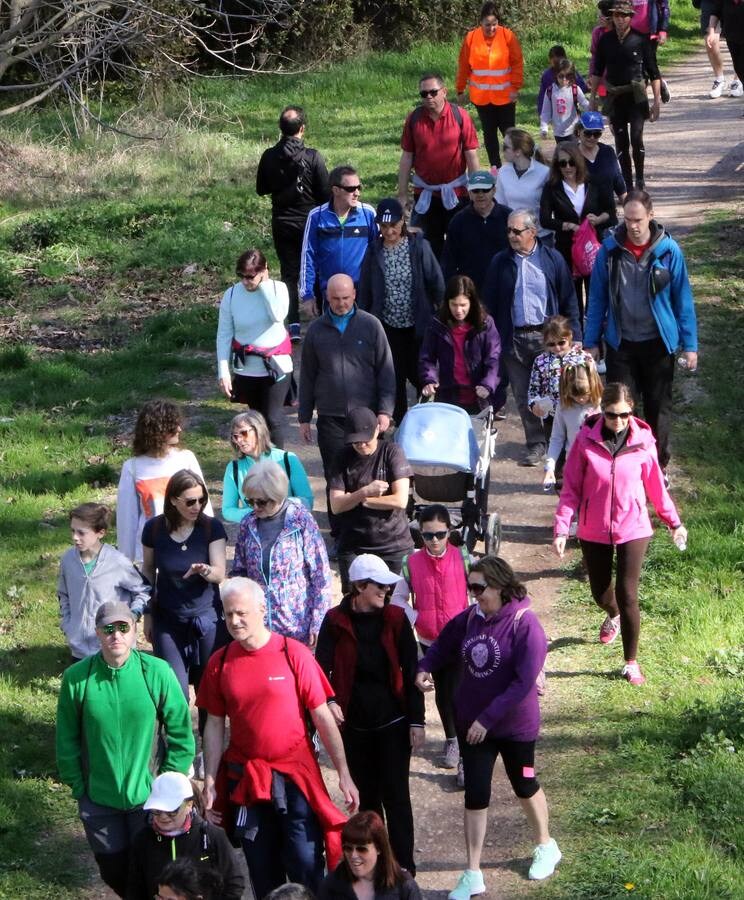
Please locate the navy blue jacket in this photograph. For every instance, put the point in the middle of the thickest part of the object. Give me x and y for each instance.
(501, 281)
(427, 284)
(472, 242)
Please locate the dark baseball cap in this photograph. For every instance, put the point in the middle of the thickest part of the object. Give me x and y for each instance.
(361, 424)
(389, 210)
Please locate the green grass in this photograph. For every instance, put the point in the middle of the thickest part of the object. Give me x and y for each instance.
(92, 238)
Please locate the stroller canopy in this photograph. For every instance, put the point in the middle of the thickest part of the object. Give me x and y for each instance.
(439, 434)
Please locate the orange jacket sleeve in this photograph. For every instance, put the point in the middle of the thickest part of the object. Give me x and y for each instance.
(463, 64)
(516, 61)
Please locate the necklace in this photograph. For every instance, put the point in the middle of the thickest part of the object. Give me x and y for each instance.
(180, 537)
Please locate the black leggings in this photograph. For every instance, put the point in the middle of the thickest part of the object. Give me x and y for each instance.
(494, 119)
(404, 348)
(627, 114)
(267, 397)
(445, 682)
(478, 761)
(736, 49)
(622, 598)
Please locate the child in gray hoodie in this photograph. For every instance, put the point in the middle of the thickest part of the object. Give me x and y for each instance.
(91, 572)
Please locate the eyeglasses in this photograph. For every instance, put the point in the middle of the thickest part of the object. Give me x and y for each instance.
(192, 501)
(555, 343)
(434, 535)
(246, 432)
(359, 848)
(564, 163)
(257, 502)
(476, 588)
(614, 416)
(121, 627)
(517, 231)
(593, 134)
(382, 587)
(432, 92)
(480, 190)
(349, 188)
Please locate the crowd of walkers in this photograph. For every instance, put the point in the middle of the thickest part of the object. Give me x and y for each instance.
(514, 274)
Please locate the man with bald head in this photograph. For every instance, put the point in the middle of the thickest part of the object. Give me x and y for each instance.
(346, 363)
(267, 786)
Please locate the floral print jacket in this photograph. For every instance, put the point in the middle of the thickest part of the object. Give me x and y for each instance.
(298, 586)
(545, 377)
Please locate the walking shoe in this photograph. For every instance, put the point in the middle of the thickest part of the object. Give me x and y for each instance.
(736, 88)
(294, 333)
(450, 754)
(717, 90)
(632, 673)
(470, 883)
(609, 629)
(534, 456)
(601, 367)
(544, 860)
(665, 93)
(460, 777)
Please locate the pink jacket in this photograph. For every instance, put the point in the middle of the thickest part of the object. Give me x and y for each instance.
(610, 494)
(439, 588)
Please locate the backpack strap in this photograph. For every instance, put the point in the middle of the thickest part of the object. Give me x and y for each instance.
(456, 112)
(575, 92)
(517, 617)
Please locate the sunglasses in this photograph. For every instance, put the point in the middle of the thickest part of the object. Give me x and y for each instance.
(622, 15)
(556, 343)
(476, 588)
(564, 163)
(432, 92)
(517, 231)
(382, 587)
(359, 848)
(614, 416)
(480, 190)
(248, 276)
(434, 535)
(192, 501)
(167, 814)
(350, 188)
(121, 627)
(246, 432)
(595, 134)
(257, 502)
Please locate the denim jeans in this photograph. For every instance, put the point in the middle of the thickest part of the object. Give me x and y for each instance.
(283, 846)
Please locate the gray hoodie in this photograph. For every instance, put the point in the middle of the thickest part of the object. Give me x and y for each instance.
(113, 578)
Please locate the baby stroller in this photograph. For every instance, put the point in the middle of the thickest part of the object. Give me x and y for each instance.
(452, 465)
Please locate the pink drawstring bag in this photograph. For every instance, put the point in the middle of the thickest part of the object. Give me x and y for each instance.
(584, 249)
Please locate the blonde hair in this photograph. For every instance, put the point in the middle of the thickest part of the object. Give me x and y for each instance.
(579, 378)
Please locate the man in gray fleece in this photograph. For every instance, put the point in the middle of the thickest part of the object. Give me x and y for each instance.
(346, 363)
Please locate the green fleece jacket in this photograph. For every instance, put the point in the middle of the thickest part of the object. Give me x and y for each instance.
(106, 721)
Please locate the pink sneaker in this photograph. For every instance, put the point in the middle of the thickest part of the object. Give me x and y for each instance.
(609, 629)
(632, 673)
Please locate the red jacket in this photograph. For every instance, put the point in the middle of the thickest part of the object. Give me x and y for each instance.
(610, 494)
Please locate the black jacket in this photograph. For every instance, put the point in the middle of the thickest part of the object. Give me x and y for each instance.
(624, 61)
(340, 372)
(556, 208)
(472, 242)
(205, 844)
(297, 179)
(335, 887)
(427, 283)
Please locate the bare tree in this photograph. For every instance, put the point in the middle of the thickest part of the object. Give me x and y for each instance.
(71, 46)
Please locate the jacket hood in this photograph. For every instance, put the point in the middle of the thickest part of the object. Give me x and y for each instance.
(292, 148)
(509, 610)
(639, 432)
(620, 233)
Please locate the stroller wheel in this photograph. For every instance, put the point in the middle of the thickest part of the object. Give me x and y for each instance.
(493, 534)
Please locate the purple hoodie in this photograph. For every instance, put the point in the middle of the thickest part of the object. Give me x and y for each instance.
(500, 658)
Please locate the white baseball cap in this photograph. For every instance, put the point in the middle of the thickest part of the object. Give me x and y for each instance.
(369, 567)
(168, 792)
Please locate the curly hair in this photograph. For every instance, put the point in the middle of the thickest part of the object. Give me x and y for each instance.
(156, 422)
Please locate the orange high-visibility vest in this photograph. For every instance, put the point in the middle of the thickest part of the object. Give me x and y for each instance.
(495, 71)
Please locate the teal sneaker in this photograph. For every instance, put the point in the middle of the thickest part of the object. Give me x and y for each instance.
(544, 860)
(470, 884)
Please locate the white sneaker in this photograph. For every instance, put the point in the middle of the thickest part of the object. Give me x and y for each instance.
(736, 88)
(717, 90)
(470, 884)
(544, 860)
(601, 367)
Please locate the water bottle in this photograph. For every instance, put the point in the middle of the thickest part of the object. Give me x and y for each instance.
(680, 542)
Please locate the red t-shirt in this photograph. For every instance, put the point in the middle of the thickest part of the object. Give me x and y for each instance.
(460, 370)
(438, 152)
(257, 690)
(635, 249)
